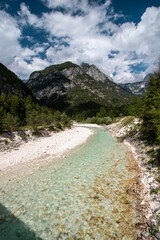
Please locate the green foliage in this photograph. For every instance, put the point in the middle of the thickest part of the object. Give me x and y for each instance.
(154, 191)
(135, 107)
(102, 113)
(57, 116)
(16, 112)
(106, 94)
(6, 142)
(148, 108)
(10, 123)
(151, 111)
(65, 120)
(9, 82)
(151, 161)
(56, 68)
(100, 121)
(23, 136)
(127, 120)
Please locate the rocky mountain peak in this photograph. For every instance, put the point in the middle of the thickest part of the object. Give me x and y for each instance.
(93, 72)
(67, 85)
(137, 88)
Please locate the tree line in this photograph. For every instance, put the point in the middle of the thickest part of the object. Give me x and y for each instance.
(18, 113)
(148, 109)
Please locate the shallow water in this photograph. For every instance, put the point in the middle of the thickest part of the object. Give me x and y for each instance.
(82, 196)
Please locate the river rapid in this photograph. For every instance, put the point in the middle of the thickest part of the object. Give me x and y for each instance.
(88, 194)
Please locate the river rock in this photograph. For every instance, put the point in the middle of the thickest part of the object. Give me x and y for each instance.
(150, 223)
(146, 235)
(157, 235)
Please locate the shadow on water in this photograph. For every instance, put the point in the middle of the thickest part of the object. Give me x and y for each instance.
(12, 228)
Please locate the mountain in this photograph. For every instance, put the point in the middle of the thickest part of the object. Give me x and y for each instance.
(68, 86)
(137, 88)
(10, 83)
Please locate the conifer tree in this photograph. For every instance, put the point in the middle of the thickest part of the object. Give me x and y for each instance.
(151, 111)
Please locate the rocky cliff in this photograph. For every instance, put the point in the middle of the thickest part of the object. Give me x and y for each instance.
(68, 85)
(137, 88)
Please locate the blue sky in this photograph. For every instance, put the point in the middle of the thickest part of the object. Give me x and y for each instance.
(121, 37)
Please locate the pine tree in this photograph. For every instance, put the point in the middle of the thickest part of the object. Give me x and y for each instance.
(151, 111)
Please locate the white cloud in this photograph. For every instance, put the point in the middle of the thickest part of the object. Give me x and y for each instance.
(20, 60)
(142, 39)
(23, 68)
(70, 5)
(81, 38)
(10, 34)
(27, 16)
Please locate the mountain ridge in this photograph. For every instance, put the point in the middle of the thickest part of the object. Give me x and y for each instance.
(11, 83)
(73, 85)
(137, 88)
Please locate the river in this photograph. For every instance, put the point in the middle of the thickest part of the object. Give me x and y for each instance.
(85, 195)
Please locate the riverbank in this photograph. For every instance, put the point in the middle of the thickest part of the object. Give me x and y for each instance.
(29, 157)
(90, 194)
(45, 148)
(126, 130)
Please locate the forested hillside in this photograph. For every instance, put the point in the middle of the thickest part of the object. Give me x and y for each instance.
(10, 83)
(21, 113)
(19, 108)
(148, 109)
(80, 90)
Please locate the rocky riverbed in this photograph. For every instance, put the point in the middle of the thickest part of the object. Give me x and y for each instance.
(127, 130)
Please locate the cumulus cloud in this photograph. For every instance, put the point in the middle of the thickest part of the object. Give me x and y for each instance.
(74, 5)
(91, 36)
(27, 17)
(141, 39)
(24, 68)
(21, 60)
(67, 4)
(10, 34)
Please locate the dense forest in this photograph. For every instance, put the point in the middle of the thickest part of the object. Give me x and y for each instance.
(148, 109)
(21, 113)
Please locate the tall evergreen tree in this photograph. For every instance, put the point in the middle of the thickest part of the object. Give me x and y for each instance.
(151, 112)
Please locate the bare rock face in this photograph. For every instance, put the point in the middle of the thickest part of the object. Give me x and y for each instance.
(138, 88)
(72, 73)
(69, 85)
(46, 85)
(94, 72)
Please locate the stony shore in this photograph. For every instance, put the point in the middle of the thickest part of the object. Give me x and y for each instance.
(49, 146)
(127, 131)
(23, 157)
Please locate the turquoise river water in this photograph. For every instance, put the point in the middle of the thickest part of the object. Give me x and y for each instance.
(83, 196)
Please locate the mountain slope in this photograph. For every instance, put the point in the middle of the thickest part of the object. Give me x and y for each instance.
(10, 83)
(67, 86)
(137, 88)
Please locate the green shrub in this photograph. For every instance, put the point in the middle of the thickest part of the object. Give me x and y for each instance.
(10, 123)
(65, 121)
(127, 120)
(6, 142)
(100, 121)
(150, 161)
(154, 191)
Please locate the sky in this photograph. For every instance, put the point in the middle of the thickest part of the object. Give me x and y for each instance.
(120, 37)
